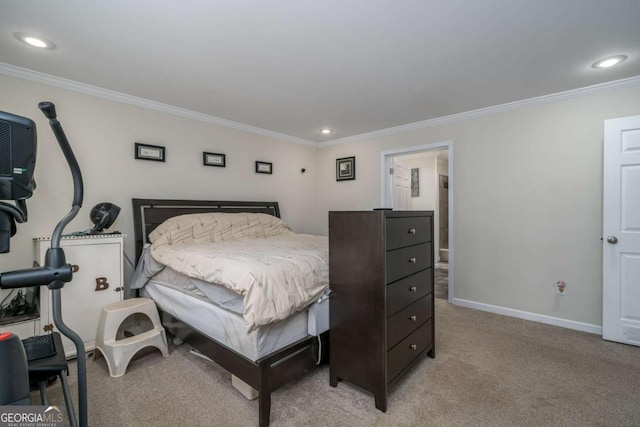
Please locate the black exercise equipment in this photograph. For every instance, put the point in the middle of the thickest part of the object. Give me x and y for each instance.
(13, 371)
(17, 184)
(18, 144)
(42, 369)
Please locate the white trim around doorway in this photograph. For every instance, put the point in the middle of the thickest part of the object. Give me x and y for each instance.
(385, 160)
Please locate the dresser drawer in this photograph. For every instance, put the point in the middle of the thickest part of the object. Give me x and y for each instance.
(406, 321)
(403, 232)
(382, 275)
(406, 291)
(406, 261)
(408, 349)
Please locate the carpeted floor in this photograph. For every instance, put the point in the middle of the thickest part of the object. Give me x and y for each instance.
(489, 370)
(441, 282)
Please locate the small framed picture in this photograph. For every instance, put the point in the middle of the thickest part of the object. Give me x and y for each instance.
(214, 159)
(150, 152)
(415, 182)
(264, 167)
(345, 169)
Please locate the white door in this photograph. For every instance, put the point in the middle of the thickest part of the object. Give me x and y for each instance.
(401, 186)
(621, 228)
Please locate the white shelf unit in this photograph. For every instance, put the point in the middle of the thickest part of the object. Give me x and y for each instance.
(99, 281)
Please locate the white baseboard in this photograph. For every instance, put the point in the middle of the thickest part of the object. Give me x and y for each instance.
(534, 317)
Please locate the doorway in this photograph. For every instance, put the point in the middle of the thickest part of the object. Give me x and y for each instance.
(420, 178)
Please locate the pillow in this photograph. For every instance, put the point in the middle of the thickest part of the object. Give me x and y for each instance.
(215, 226)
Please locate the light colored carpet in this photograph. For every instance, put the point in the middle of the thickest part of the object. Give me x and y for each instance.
(489, 370)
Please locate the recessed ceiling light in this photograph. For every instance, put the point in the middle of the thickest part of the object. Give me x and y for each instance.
(35, 41)
(609, 62)
(326, 131)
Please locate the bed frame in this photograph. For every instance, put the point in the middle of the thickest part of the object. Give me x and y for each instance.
(264, 375)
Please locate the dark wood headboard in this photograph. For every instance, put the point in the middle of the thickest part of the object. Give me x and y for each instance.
(150, 213)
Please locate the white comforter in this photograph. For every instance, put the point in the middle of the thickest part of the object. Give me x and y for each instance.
(276, 275)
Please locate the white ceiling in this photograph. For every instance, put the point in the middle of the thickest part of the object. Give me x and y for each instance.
(356, 66)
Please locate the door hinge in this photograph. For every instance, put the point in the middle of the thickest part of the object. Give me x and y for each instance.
(390, 171)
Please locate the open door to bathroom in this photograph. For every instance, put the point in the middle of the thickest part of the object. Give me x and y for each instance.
(430, 169)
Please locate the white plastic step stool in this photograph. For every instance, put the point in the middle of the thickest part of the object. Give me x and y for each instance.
(118, 353)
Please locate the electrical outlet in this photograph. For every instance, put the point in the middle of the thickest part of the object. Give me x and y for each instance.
(561, 287)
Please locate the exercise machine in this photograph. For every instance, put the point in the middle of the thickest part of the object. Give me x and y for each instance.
(17, 163)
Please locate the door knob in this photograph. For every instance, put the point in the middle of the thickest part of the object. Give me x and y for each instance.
(612, 239)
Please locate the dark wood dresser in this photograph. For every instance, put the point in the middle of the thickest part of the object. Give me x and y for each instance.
(381, 306)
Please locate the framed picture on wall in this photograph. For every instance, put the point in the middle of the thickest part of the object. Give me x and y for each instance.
(415, 182)
(214, 159)
(264, 167)
(149, 152)
(345, 169)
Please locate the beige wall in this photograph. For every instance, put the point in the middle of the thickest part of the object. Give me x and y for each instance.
(103, 133)
(527, 189)
(527, 194)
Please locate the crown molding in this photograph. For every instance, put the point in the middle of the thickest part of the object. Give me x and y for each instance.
(555, 97)
(59, 82)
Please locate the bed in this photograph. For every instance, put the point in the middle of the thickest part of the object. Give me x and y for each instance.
(264, 347)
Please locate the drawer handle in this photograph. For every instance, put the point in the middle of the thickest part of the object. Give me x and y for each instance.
(412, 231)
(413, 289)
(413, 347)
(413, 318)
(412, 260)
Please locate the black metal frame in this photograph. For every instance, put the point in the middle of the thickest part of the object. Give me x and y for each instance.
(350, 177)
(260, 163)
(162, 150)
(265, 374)
(56, 272)
(222, 157)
